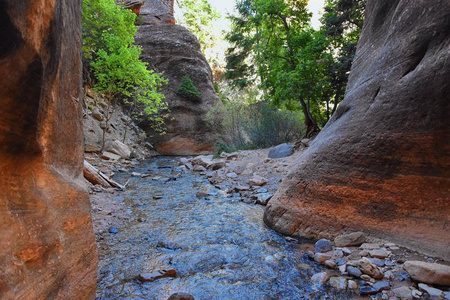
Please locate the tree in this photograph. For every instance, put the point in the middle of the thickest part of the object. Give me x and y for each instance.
(298, 67)
(113, 58)
(198, 17)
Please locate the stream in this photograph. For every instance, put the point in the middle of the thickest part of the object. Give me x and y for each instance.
(218, 245)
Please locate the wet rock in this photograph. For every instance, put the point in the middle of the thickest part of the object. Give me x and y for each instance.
(379, 253)
(403, 292)
(401, 276)
(181, 296)
(382, 286)
(435, 294)
(322, 246)
(367, 290)
(271, 260)
(320, 278)
(367, 267)
(150, 277)
(343, 269)
(353, 271)
(321, 257)
(431, 273)
(113, 230)
(281, 151)
(199, 168)
(257, 180)
(341, 261)
(351, 239)
(339, 283)
(377, 262)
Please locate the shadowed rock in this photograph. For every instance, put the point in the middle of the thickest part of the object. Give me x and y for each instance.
(47, 248)
(381, 164)
(175, 51)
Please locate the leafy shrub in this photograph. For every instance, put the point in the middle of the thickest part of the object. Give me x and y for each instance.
(244, 126)
(188, 90)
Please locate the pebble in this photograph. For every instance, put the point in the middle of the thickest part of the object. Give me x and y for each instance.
(355, 272)
(321, 257)
(367, 267)
(322, 246)
(379, 253)
(351, 239)
(320, 278)
(352, 285)
(369, 246)
(339, 283)
(435, 294)
(330, 263)
(367, 290)
(343, 269)
(364, 253)
(382, 286)
(310, 254)
(232, 175)
(113, 230)
(366, 278)
(403, 292)
(341, 261)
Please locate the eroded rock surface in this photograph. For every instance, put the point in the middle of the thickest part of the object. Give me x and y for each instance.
(381, 165)
(175, 51)
(47, 248)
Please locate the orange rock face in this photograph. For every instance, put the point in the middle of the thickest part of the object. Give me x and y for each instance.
(47, 248)
(382, 164)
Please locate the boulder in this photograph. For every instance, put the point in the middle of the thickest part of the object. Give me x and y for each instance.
(381, 164)
(281, 151)
(156, 12)
(119, 148)
(368, 268)
(47, 248)
(431, 273)
(350, 239)
(435, 294)
(323, 245)
(320, 278)
(175, 51)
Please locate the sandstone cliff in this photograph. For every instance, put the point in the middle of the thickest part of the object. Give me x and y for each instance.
(47, 248)
(175, 51)
(382, 163)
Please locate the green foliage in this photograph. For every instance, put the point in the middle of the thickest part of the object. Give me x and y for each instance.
(188, 90)
(249, 126)
(198, 17)
(274, 46)
(109, 49)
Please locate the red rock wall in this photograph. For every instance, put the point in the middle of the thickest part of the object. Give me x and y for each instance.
(47, 248)
(382, 164)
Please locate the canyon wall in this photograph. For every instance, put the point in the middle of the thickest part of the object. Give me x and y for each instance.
(47, 248)
(382, 163)
(173, 50)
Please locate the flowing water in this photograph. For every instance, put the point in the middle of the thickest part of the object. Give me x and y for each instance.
(219, 246)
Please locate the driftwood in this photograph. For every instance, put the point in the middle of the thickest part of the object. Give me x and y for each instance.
(95, 176)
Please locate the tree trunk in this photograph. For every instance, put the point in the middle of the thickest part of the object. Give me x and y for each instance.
(310, 123)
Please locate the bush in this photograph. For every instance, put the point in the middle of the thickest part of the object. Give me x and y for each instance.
(249, 126)
(188, 90)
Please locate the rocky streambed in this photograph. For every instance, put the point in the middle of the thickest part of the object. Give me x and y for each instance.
(194, 226)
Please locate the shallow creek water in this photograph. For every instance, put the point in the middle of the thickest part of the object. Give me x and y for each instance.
(219, 246)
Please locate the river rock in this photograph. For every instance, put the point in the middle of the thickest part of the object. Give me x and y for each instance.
(257, 180)
(119, 148)
(175, 51)
(382, 286)
(403, 292)
(330, 263)
(367, 290)
(47, 248)
(351, 239)
(379, 253)
(435, 294)
(321, 257)
(281, 151)
(339, 283)
(431, 273)
(370, 157)
(323, 245)
(367, 267)
(263, 198)
(320, 278)
(181, 296)
(352, 285)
